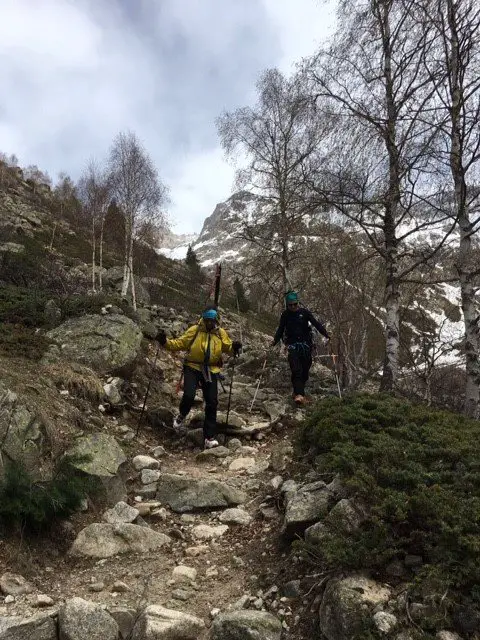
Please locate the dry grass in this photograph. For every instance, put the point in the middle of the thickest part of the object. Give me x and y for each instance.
(79, 381)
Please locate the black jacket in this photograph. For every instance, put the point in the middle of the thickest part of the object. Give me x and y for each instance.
(295, 326)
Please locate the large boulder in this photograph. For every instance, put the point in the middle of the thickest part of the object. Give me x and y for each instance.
(105, 343)
(12, 584)
(158, 623)
(275, 409)
(305, 507)
(347, 606)
(39, 627)
(23, 436)
(346, 516)
(101, 540)
(79, 619)
(121, 513)
(125, 618)
(183, 494)
(246, 625)
(104, 463)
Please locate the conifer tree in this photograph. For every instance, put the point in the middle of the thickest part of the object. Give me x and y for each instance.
(242, 301)
(192, 261)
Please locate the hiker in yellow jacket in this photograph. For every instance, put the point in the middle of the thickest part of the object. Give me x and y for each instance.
(204, 343)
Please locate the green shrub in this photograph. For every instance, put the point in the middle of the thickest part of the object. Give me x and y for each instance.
(17, 340)
(21, 312)
(34, 506)
(79, 305)
(27, 268)
(22, 305)
(418, 471)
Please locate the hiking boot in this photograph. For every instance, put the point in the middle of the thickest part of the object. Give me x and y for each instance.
(178, 425)
(210, 443)
(299, 399)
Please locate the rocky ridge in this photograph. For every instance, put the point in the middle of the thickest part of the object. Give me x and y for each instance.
(219, 239)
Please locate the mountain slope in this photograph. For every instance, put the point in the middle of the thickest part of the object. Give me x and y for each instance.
(175, 246)
(220, 238)
(431, 316)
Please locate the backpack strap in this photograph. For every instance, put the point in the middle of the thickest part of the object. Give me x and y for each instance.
(217, 333)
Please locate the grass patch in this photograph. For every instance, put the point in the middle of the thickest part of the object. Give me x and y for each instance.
(34, 506)
(418, 471)
(17, 340)
(79, 381)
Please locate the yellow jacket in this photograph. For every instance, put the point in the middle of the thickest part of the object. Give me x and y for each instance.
(195, 341)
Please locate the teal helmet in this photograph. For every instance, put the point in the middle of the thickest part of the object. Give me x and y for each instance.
(210, 314)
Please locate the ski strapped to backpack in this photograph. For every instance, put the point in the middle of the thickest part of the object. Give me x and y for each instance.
(218, 278)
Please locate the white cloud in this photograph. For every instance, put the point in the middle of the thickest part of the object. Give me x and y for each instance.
(301, 26)
(75, 73)
(196, 189)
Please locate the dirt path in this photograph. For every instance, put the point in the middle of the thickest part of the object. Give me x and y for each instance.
(245, 562)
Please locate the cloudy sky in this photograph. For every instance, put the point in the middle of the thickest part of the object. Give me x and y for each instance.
(74, 73)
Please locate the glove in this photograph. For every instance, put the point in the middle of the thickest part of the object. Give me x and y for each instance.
(236, 347)
(162, 337)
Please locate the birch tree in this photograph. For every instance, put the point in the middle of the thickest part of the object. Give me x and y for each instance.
(277, 140)
(373, 83)
(66, 204)
(457, 26)
(95, 190)
(342, 278)
(139, 194)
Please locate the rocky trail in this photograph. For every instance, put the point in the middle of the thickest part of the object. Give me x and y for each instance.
(181, 543)
(195, 532)
(203, 555)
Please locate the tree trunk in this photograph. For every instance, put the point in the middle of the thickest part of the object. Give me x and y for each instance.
(471, 320)
(100, 253)
(285, 267)
(392, 337)
(53, 235)
(93, 252)
(134, 295)
(466, 262)
(126, 261)
(393, 199)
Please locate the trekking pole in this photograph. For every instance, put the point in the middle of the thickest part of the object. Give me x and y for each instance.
(230, 391)
(147, 392)
(258, 383)
(334, 357)
(239, 319)
(218, 278)
(221, 383)
(178, 387)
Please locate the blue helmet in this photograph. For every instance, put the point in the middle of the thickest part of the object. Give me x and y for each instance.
(210, 314)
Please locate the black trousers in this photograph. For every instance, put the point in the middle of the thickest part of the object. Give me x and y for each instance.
(300, 361)
(191, 379)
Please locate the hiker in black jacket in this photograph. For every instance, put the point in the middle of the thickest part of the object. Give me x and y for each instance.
(295, 329)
